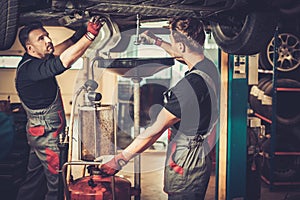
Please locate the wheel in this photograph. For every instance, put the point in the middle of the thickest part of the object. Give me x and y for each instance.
(8, 23)
(255, 103)
(288, 112)
(244, 35)
(286, 168)
(288, 53)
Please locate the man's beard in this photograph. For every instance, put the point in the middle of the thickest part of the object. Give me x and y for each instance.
(50, 49)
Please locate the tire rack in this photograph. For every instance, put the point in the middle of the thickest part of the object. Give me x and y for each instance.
(270, 179)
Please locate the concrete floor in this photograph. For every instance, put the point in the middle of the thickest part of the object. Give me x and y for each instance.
(152, 164)
(152, 181)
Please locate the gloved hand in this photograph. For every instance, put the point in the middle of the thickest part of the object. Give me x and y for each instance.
(93, 27)
(114, 165)
(148, 37)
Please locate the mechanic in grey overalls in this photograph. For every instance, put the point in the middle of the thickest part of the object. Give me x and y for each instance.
(41, 98)
(190, 113)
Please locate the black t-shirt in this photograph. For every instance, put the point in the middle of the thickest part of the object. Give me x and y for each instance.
(193, 101)
(35, 81)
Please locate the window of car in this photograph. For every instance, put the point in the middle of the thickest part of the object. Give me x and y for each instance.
(13, 61)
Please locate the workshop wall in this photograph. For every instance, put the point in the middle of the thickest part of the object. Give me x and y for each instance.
(68, 81)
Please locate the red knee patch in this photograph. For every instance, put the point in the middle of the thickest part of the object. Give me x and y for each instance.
(53, 161)
(178, 169)
(37, 130)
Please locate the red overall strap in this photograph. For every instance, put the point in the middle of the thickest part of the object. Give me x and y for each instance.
(172, 164)
(59, 130)
(169, 134)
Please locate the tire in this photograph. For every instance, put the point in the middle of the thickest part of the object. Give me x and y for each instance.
(255, 90)
(248, 34)
(287, 103)
(8, 23)
(261, 107)
(288, 53)
(285, 168)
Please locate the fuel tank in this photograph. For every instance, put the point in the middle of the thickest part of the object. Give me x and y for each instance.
(96, 131)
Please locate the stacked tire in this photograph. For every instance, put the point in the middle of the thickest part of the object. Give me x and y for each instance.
(288, 109)
(285, 166)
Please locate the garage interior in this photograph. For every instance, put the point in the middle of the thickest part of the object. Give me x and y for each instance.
(257, 151)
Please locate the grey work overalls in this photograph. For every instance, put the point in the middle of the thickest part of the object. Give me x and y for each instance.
(188, 164)
(43, 128)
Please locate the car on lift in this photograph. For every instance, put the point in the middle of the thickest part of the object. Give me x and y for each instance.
(241, 27)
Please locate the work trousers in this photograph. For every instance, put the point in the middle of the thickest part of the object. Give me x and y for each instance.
(43, 128)
(35, 187)
(189, 196)
(188, 168)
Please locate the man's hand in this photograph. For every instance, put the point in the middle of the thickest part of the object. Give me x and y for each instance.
(114, 165)
(148, 37)
(93, 27)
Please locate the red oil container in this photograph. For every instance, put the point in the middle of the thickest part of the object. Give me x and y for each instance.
(96, 187)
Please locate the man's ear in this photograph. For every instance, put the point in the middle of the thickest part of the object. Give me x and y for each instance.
(29, 47)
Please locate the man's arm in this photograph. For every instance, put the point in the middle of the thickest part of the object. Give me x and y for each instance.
(62, 46)
(164, 120)
(149, 38)
(73, 52)
(70, 41)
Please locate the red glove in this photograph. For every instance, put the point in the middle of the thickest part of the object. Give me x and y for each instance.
(114, 165)
(93, 27)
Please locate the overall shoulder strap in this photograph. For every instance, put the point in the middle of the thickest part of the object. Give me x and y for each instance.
(211, 84)
(207, 79)
(22, 64)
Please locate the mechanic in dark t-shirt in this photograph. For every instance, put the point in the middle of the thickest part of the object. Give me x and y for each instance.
(40, 96)
(37, 84)
(191, 101)
(190, 110)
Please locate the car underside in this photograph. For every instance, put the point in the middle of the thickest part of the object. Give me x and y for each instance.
(239, 26)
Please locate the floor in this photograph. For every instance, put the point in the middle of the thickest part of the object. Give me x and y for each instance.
(152, 164)
(152, 181)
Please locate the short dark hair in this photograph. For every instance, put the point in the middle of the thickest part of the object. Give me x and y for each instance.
(24, 32)
(188, 30)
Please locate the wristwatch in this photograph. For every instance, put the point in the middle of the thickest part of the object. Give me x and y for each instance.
(158, 41)
(122, 162)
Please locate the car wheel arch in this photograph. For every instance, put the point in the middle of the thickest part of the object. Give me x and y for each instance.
(257, 28)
